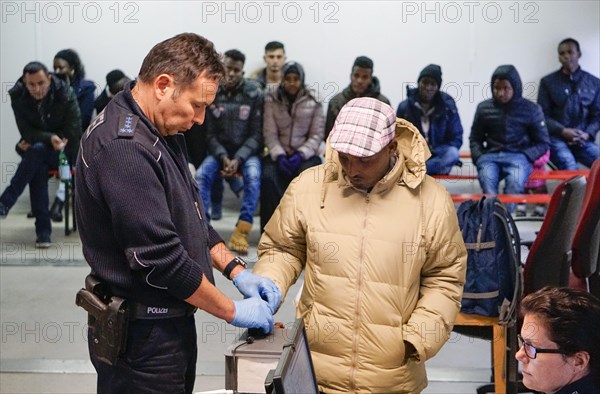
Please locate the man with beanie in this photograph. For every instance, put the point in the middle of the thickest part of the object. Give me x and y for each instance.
(115, 81)
(434, 113)
(234, 135)
(362, 84)
(293, 124)
(508, 135)
(383, 258)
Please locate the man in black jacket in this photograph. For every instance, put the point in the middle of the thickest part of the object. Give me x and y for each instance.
(48, 118)
(144, 231)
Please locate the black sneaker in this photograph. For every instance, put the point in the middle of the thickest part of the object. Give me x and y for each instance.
(56, 210)
(3, 211)
(43, 242)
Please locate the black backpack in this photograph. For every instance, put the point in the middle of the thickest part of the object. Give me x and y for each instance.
(493, 285)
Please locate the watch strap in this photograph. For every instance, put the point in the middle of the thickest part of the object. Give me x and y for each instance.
(232, 264)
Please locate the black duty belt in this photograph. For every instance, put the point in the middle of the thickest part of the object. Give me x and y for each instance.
(141, 311)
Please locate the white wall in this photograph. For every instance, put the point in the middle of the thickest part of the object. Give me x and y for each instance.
(469, 39)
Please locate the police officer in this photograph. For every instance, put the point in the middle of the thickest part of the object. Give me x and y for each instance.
(143, 227)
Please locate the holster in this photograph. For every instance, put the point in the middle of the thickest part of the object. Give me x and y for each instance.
(107, 316)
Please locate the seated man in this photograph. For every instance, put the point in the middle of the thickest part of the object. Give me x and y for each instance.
(115, 82)
(270, 76)
(362, 84)
(234, 124)
(507, 136)
(47, 116)
(434, 113)
(570, 99)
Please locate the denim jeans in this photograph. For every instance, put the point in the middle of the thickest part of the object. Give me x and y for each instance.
(273, 185)
(208, 173)
(160, 358)
(565, 157)
(443, 158)
(514, 168)
(33, 170)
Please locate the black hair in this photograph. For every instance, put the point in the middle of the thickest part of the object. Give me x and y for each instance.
(235, 55)
(273, 45)
(570, 41)
(363, 62)
(34, 67)
(72, 57)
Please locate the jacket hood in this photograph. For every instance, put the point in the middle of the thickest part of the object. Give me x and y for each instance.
(409, 169)
(510, 73)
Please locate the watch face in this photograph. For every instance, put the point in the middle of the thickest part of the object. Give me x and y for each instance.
(241, 262)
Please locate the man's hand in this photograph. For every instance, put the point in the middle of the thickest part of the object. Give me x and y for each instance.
(569, 134)
(252, 285)
(253, 313)
(229, 167)
(58, 143)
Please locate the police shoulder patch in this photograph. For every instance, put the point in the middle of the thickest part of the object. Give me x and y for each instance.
(127, 124)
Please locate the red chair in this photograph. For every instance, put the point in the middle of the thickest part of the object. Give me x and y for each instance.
(549, 259)
(586, 243)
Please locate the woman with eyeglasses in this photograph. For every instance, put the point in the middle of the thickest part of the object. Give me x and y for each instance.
(560, 341)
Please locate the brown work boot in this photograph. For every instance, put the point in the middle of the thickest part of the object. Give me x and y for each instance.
(239, 239)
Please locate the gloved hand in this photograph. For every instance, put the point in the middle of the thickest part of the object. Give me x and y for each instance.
(253, 313)
(284, 165)
(252, 285)
(295, 160)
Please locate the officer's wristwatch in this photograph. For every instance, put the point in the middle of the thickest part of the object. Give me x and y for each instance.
(232, 264)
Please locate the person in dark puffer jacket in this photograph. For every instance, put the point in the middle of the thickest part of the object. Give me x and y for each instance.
(434, 113)
(508, 134)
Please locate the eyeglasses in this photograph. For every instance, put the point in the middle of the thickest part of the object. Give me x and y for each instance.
(532, 351)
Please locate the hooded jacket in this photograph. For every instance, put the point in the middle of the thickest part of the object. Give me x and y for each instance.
(298, 129)
(340, 99)
(445, 127)
(517, 126)
(380, 268)
(58, 113)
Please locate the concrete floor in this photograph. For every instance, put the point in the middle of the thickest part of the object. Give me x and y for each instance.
(44, 349)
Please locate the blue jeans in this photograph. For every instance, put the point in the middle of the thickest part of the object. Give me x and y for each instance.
(514, 168)
(208, 173)
(565, 156)
(33, 170)
(443, 158)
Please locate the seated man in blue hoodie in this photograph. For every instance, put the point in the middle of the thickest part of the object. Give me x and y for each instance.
(434, 113)
(508, 134)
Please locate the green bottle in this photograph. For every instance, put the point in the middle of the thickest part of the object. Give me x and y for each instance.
(64, 169)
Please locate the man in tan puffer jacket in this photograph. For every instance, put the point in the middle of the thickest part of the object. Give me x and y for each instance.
(383, 257)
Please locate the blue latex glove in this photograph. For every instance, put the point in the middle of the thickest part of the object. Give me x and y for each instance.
(295, 160)
(284, 165)
(253, 313)
(252, 285)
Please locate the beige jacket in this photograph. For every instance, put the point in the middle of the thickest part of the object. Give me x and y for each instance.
(379, 269)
